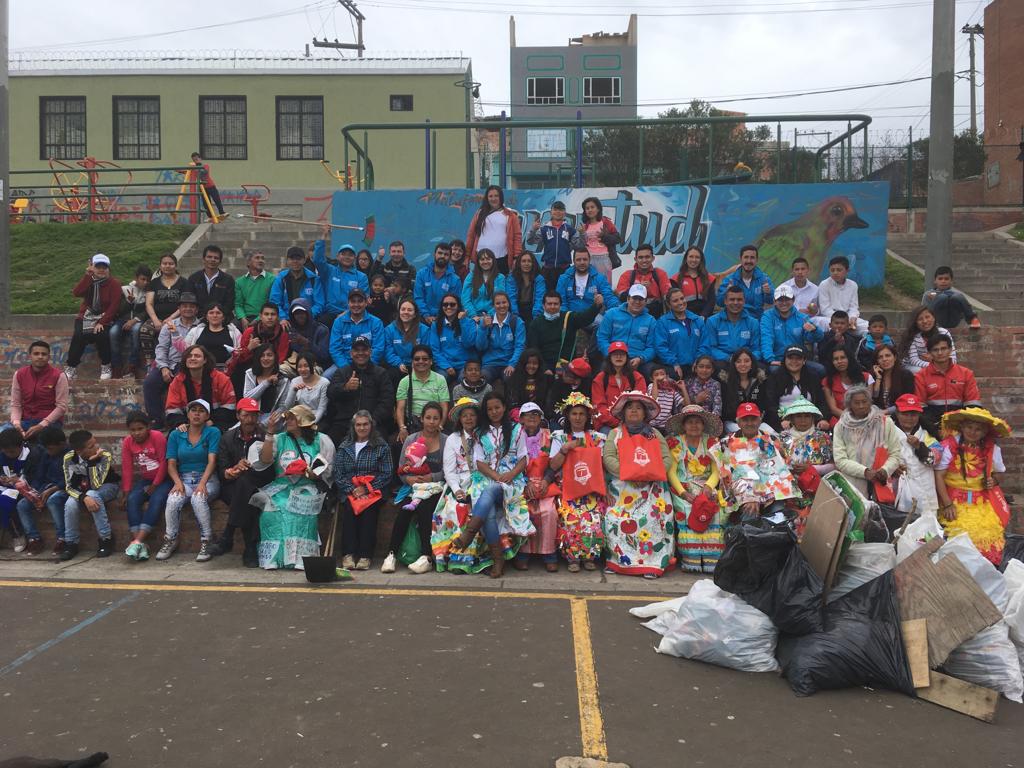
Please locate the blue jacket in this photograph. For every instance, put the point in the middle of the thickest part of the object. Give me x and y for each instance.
(501, 346)
(336, 280)
(637, 331)
(539, 289)
(596, 283)
(450, 352)
(312, 291)
(397, 351)
(721, 338)
(755, 296)
(429, 290)
(556, 244)
(676, 341)
(344, 331)
(482, 304)
(777, 334)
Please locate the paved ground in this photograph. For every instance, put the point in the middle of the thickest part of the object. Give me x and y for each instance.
(262, 669)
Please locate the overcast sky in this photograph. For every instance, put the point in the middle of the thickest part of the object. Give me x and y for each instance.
(711, 49)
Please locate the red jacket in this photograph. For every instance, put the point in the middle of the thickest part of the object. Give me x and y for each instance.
(606, 391)
(656, 282)
(110, 297)
(223, 393)
(954, 389)
(513, 235)
(243, 355)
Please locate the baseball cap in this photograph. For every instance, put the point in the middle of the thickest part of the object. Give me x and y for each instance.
(200, 401)
(100, 259)
(907, 403)
(357, 292)
(618, 346)
(748, 409)
(784, 291)
(529, 407)
(188, 298)
(346, 247)
(580, 367)
(638, 290)
(361, 341)
(248, 404)
(794, 350)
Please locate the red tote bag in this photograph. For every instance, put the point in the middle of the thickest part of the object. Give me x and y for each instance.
(583, 472)
(640, 459)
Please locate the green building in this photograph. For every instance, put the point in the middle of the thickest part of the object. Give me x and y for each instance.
(256, 119)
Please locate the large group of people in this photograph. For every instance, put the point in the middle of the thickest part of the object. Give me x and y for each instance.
(511, 404)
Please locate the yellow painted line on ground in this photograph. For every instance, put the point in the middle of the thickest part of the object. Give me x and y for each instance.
(591, 722)
(360, 591)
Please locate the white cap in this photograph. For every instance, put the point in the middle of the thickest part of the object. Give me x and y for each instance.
(638, 289)
(99, 258)
(784, 291)
(200, 401)
(529, 407)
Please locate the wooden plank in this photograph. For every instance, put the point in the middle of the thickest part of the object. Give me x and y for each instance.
(960, 696)
(947, 596)
(823, 535)
(915, 642)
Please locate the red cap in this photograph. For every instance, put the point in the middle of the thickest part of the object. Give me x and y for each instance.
(618, 346)
(748, 409)
(580, 367)
(905, 403)
(248, 404)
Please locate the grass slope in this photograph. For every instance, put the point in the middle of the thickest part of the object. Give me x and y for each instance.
(902, 288)
(1018, 231)
(48, 259)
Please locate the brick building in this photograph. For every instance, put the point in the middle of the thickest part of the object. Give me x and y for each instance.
(1004, 102)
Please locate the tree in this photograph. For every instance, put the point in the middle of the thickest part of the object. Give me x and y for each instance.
(968, 158)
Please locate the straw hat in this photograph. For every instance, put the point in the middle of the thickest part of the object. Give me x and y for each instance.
(462, 404)
(953, 420)
(574, 399)
(303, 415)
(712, 424)
(633, 395)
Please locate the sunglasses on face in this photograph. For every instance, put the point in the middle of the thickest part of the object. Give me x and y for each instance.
(449, 304)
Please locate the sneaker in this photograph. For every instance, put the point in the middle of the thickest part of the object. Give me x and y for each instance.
(34, 547)
(58, 548)
(348, 563)
(389, 563)
(70, 550)
(105, 373)
(132, 552)
(20, 542)
(363, 564)
(422, 565)
(204, 552)
(167, 548)
(106, 548)
(71, 372)
(975, 323)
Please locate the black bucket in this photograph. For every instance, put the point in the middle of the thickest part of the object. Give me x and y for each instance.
(320, 569)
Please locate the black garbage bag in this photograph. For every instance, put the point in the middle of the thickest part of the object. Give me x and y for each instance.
(862, 644)
(894, 518)
(765, 567)
(1012, 550)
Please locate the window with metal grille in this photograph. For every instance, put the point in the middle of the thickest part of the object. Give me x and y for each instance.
(136, 127)
(61, 127)
(401, 102)
(222, 128)
(602, 90)
(300, 127)
(545, 90)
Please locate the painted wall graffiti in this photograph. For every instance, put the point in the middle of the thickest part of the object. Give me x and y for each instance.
(110, 409)
(14, 353)
(816, 221)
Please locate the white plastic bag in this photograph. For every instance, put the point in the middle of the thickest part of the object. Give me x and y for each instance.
(656, 609)
(992, 582)
(1014, 576)
(916, 534)
(989, 659)
(863, 562)
(720, 628)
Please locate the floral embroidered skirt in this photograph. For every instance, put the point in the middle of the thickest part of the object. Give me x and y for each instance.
(698, 551)
(639, 528)
(580, 527)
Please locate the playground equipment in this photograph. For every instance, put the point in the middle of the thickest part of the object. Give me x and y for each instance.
(190, 182)
(67, 194)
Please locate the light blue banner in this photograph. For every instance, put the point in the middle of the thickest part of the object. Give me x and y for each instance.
(816, 221)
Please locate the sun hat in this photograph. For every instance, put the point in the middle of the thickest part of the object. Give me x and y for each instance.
(304, 415)
(200, 401)
(712, 424)
(575, 399)
(748, 409)
(800, 405)
(953, 421)
(633, 395)
(462, 404)
(247, 404)
(907, 403)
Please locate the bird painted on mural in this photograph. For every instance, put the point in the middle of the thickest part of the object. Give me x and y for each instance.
(810, 236)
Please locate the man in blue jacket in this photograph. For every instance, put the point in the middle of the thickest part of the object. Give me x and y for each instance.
(677, 336)
(731, 329)
(783, 326)
(757, 286)
(578, 285)
(338, 278)
(352, 324)
(557, 240)
(433, 282)
(296, 282)
(632, 324)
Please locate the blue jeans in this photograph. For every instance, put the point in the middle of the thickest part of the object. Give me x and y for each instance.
(73, 508)
(140, 519)
(489, 505)
(492, 373)
(55, 506)
(116, 331)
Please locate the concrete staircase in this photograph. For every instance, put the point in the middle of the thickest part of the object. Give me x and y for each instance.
(236, 236)
(986, 266)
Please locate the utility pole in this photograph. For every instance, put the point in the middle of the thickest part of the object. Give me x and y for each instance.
(976, 29)
(939, 228)
(5, 185)
(355, 13)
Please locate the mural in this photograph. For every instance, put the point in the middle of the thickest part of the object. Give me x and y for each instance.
(816, 221)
